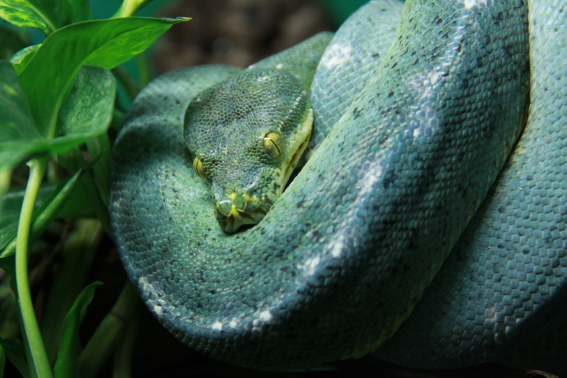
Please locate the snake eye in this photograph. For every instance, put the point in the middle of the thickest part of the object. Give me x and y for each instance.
(273, 144)
(198, 168)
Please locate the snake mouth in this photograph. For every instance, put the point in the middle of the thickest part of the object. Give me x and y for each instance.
(240, 209)
(297, 145)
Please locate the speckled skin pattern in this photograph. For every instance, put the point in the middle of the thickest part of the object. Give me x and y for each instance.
(349, 248)
(224, 128)
(505, 281)
(359, 50)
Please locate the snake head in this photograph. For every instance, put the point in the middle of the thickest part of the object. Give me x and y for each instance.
(245, 137)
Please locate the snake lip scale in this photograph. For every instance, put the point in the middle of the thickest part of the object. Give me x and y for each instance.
(344, 256)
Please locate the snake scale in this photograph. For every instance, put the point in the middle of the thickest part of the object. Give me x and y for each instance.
(349, 249)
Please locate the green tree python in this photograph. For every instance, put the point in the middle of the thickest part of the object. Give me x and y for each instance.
(407, 143)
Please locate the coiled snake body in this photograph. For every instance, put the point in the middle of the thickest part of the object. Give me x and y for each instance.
(346, 253)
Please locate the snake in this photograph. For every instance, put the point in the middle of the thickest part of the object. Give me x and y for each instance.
(427, 225)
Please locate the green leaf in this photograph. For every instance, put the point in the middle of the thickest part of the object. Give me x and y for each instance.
(45, 15)
(67, 357)
(2, 361)
(12, 204)
(9, 312)
(15, 353)
(8, 264)
(16, 123)
(47, 212)
(86, 114)
(24, 14)
(11, 41)
(22, 57)
(49, 75)
(15, 119)
(88, 109)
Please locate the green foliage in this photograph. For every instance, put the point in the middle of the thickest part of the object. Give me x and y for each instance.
(88, 109)
(45, 15)
(18, 136)
(11, 212)
(15, 353)
(11, 41)
(51, 208)
(67, 365)
(2, 361)
(57, 102)
(105, 43)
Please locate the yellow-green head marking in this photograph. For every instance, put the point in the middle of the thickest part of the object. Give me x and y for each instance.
(245, 136)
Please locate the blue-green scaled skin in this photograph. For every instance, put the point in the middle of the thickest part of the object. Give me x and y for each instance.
(347, 251)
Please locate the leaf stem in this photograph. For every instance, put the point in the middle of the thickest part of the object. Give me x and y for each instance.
(39, 364)
(130, 86)
(100, 146)
(129, 7)
(143, 69)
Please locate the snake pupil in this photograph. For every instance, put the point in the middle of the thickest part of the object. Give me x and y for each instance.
(272, 144)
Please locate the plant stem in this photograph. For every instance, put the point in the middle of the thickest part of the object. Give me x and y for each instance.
(143, 69)
(39, 363)
(101, 146)
(130, 86)
(117, 119)
(129, 7)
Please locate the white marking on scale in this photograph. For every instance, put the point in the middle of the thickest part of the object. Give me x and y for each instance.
(338, 54)
(265, 316)
(157, 310)
(310, 266)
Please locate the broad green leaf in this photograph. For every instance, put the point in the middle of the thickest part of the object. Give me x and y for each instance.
(11, 41)
(67, 357)
(47, 212)
(16, 123)
(15, 119)
(15, 353)
(22, 57)
(88, 109)
(45, 15)
(50, 73)
(24, 13)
